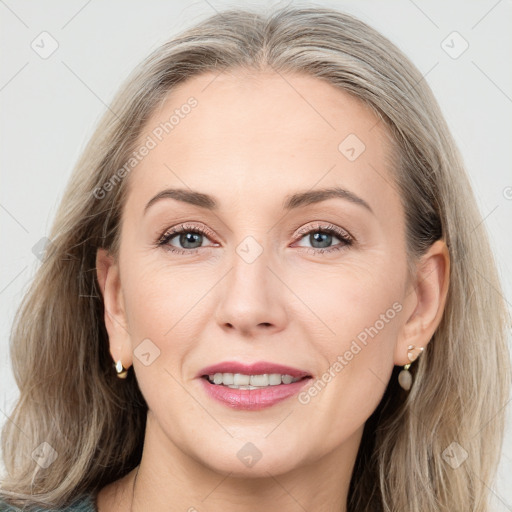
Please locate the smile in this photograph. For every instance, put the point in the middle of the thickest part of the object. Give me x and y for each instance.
(241, 381)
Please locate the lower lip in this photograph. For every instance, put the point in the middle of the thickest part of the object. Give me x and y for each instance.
(252, 399)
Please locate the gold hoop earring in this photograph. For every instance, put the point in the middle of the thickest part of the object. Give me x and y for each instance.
(405, 377)
(122, 372)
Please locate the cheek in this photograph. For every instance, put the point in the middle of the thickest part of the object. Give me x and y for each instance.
(166, 304)
(355, 300)
(157, 296)
(360, 310)
(163, 307)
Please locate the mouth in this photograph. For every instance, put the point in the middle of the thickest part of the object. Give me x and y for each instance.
(252, 386)
(244, 381)
(255, 375)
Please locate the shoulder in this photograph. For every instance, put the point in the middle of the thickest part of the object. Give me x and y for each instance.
(84, 503)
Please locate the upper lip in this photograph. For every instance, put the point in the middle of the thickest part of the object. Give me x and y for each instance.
(259, 368)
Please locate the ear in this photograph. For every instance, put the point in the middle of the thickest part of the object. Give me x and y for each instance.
(425, 300)
(107, 271)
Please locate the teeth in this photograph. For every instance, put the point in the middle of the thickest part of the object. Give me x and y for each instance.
(227, 379)
(259, 380)
(274, 379)
(241, 381)
(287, 379)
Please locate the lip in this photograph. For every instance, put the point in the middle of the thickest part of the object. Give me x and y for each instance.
(252, 399)
(259, 368)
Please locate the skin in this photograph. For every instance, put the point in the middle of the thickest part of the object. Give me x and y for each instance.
(253, 139)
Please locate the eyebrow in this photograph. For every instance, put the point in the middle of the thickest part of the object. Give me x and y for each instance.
(316, 196)
(292, 201)
(185, 196)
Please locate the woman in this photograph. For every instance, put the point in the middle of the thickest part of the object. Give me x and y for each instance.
(273, 243)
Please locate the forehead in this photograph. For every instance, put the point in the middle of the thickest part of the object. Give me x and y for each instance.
(261, 135)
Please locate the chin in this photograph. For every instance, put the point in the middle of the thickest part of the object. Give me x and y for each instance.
(255, 459)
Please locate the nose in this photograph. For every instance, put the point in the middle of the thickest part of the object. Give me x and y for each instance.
(252, 298)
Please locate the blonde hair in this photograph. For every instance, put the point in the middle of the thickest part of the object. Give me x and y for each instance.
(69, 394)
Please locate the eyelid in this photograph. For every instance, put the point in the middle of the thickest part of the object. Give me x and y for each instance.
(319, 226)
(342, 234)
(186, 227)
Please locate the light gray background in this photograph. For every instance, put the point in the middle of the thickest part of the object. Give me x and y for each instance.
(50, 107)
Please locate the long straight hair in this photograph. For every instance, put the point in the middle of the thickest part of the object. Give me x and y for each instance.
(69, 395)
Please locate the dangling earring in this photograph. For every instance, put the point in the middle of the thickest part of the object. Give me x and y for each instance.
(405, 377)
(122, 372)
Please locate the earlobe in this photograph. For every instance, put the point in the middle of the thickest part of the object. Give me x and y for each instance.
(427, 300)
(107, 271)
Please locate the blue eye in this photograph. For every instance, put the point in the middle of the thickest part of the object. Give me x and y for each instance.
(324, 234)
(191, 238)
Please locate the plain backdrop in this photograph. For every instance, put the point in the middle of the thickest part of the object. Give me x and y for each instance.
(50, 105)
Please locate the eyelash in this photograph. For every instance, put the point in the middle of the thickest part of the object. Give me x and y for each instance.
(328, 229)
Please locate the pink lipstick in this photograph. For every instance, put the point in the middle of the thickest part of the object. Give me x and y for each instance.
(252, 386)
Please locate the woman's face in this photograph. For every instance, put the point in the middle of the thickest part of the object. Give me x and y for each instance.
(268, 268)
